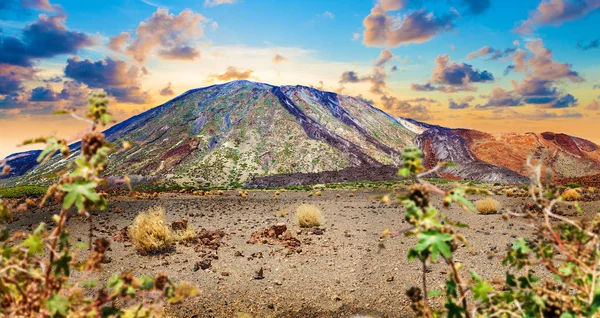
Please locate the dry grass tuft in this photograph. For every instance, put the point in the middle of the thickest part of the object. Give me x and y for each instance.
(572, 194)
(150, 233)
(487, 206)
(308, 216)
(281, 213)
(318, 193)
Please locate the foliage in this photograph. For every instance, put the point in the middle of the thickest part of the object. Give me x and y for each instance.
(487, 206)
(572, 194)
(23, 191)
(150, 233)
(308, 216)
(36, 268)
(565, 248)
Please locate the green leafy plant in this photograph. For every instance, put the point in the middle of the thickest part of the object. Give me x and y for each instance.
(565, 248)
(35, 268)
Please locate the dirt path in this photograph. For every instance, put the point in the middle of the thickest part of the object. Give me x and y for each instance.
(339, 273)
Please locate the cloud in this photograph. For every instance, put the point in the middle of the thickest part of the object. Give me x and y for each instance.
(461, 104)
(167, 91)
(427, 87)
(43, 94)
(46, 37)
(592, 45)
(169, 35)
(14, 101)
(542, 64)
(501, 98)
(327, 15)
(355, 36)
(12, 77)
(593, 105)
(213, 3)
(232, 73)
(418, 26)
(76, 93)
(278, 58)
(40, 5)
(453, 77)
(542, 73)
(384, 57)
(181, 53)
(405, 108)
(494, 53)
(116, 43)
(114, 76)
(377, 77)
(54, 79)
(457, 74)
(538, 114)
(556, 12)
(44, 100)
(43, 5)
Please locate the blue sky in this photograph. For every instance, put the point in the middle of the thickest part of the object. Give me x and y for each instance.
(390, 52)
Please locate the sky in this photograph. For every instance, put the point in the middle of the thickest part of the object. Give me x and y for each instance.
(491, 65)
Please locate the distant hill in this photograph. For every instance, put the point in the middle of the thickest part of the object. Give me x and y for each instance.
(233, 133)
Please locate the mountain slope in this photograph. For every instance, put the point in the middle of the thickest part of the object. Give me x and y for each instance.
(264, 135)
(227, 134)
(571, 159)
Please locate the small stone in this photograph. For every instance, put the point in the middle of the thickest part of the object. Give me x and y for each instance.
(390, 279)
(259, 274)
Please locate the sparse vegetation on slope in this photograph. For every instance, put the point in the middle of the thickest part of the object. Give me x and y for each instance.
(308, 216)
(150, 232)
(487, 206)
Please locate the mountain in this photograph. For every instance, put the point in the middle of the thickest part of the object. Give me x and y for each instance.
(571, 159)
(264, 135)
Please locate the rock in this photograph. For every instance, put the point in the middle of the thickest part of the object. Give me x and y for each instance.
(259, 274)
(179, 225)
(390, 279)
(203, 264)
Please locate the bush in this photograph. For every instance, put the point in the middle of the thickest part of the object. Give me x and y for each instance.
(23, 191)
(308, 216)
(487, 206)
(150, 233)
(36, 268)
(572, 194)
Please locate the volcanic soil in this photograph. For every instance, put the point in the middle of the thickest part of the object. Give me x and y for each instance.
(338, 270)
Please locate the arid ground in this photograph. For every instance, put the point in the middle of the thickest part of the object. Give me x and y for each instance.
(338, 270)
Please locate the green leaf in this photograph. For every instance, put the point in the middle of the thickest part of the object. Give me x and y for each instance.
(404, 172)
(63, 264)
(34, 244)
(57, 306)
(520, 245)
(52, 147)
(78, 192)
(434, 293)
(481, 290)
(434, 242)
(448, 164)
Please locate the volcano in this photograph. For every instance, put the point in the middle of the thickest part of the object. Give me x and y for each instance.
(258, 134)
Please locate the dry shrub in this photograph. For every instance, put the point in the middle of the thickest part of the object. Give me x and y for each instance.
(509, 192)
(149, 231)
(572, 194)
(487, 206)
(281, 213)
(308, 216)
(318, 193)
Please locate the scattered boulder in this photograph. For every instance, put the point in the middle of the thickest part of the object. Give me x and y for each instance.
(277, 234)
